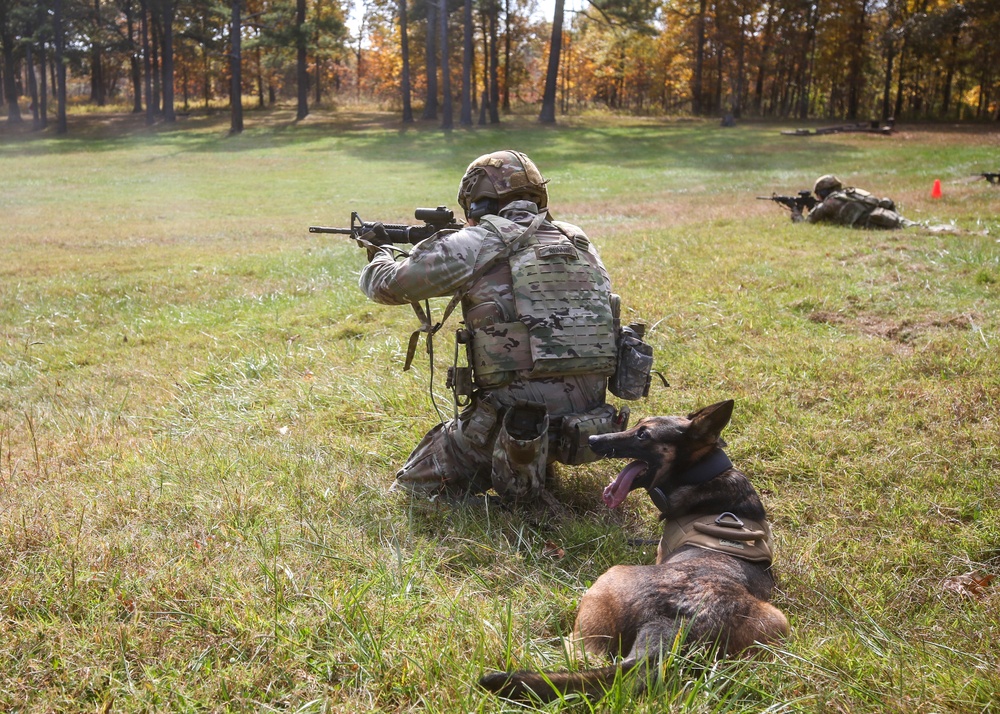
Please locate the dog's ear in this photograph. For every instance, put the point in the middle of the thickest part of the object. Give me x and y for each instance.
(708, 422)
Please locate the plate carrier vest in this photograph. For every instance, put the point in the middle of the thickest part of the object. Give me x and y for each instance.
(564, 324)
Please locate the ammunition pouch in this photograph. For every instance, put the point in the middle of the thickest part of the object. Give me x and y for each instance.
(576, 430)
(521, 451)
(635, 364)
(477, 423)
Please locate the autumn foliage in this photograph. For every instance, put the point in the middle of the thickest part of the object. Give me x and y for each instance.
(832, 59)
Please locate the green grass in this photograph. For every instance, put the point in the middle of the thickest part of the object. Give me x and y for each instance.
(201, 415)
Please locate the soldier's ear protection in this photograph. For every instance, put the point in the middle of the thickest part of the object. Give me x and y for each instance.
(483, 207)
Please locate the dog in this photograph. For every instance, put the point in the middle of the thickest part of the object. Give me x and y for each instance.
(712, 580)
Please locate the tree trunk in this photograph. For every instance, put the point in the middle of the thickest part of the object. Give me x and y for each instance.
(765, 51)
(32, 86)
(404, 41)
(548, 113)
(890, 56)
(808, 57)
(856, 73)
(147, 63)
(446, 114)
(737, 104)
(156, 36)
(484, 106)
(235, 66)
(466, 115)
(431, 103)
(260, 79)
(96, 69)
(358, 58)
(43, 100)
(135, 70)
(301, 71)
(506, 55)
(168, 60)
(494, 66)
(9, 80)
(697, 105)
(62, 126)
(949, 75)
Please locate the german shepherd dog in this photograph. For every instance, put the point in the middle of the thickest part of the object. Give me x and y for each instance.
(712, 579)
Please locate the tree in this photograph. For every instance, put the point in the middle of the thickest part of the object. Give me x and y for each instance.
(301, 69)
(446, 112)
(168, 8)
(548, 113)
(431, 103)
(7, 39)
(59, 35)
(467, 28)
(404, 42)
(235, 64)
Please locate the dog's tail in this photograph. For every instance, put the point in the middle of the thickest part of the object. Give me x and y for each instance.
(549, 686)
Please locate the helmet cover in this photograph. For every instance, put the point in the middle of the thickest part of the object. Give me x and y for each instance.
(503, 175)
(825, 185)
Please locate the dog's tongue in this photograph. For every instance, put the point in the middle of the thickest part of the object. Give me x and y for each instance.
(617, 491)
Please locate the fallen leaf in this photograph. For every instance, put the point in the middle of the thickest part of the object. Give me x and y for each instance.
(969, 585)
(552, 550)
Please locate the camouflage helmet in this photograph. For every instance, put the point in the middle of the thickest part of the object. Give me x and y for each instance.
(825, 185)
(503, 175)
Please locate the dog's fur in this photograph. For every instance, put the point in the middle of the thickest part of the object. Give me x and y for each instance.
(707, 596)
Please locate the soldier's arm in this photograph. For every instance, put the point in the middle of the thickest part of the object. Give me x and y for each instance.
(437, 267)
(822, 211)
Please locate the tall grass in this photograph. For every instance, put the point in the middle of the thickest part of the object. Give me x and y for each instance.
(201, 414)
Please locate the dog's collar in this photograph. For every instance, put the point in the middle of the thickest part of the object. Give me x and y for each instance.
(713, 465)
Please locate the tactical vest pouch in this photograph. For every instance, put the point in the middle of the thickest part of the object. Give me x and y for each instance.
(499, 352)
(635, 364)
(574, 446)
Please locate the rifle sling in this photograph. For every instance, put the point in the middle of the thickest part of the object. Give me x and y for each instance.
(424, 315)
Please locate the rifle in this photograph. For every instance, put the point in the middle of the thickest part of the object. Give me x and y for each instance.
(804, 199)
(376, 233)
(991, 178)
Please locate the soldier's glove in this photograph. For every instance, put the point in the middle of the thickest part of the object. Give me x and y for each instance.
(797, 216)
(368, 241)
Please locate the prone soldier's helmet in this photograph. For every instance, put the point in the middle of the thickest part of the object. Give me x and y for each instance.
(825, 185)
(501, 176)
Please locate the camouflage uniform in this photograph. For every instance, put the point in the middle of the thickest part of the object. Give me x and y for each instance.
(852, 207)
(518, 409)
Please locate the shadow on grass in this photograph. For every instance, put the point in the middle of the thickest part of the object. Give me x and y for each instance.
(381, 137)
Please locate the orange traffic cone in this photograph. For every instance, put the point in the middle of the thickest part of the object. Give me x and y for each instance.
(936, 191)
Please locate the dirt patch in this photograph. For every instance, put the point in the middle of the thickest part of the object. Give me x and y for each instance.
(904, 331)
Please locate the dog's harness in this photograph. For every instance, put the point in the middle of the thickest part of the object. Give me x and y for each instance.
(724, 532)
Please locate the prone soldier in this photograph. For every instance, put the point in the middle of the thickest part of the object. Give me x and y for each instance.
(852, 207)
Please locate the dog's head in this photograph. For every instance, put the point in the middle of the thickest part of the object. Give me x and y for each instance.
(662, 447)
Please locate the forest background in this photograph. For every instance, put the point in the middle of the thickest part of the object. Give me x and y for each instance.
(857, 60)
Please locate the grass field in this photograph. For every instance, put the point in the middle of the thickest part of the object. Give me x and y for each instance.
(201, 414)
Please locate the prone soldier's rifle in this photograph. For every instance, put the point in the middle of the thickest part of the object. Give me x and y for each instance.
(804, 199)
(377, 234)
(991, 178)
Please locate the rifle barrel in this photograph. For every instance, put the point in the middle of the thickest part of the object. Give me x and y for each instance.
(324, 229)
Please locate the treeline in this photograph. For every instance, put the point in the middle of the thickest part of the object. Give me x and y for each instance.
(849, 59)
